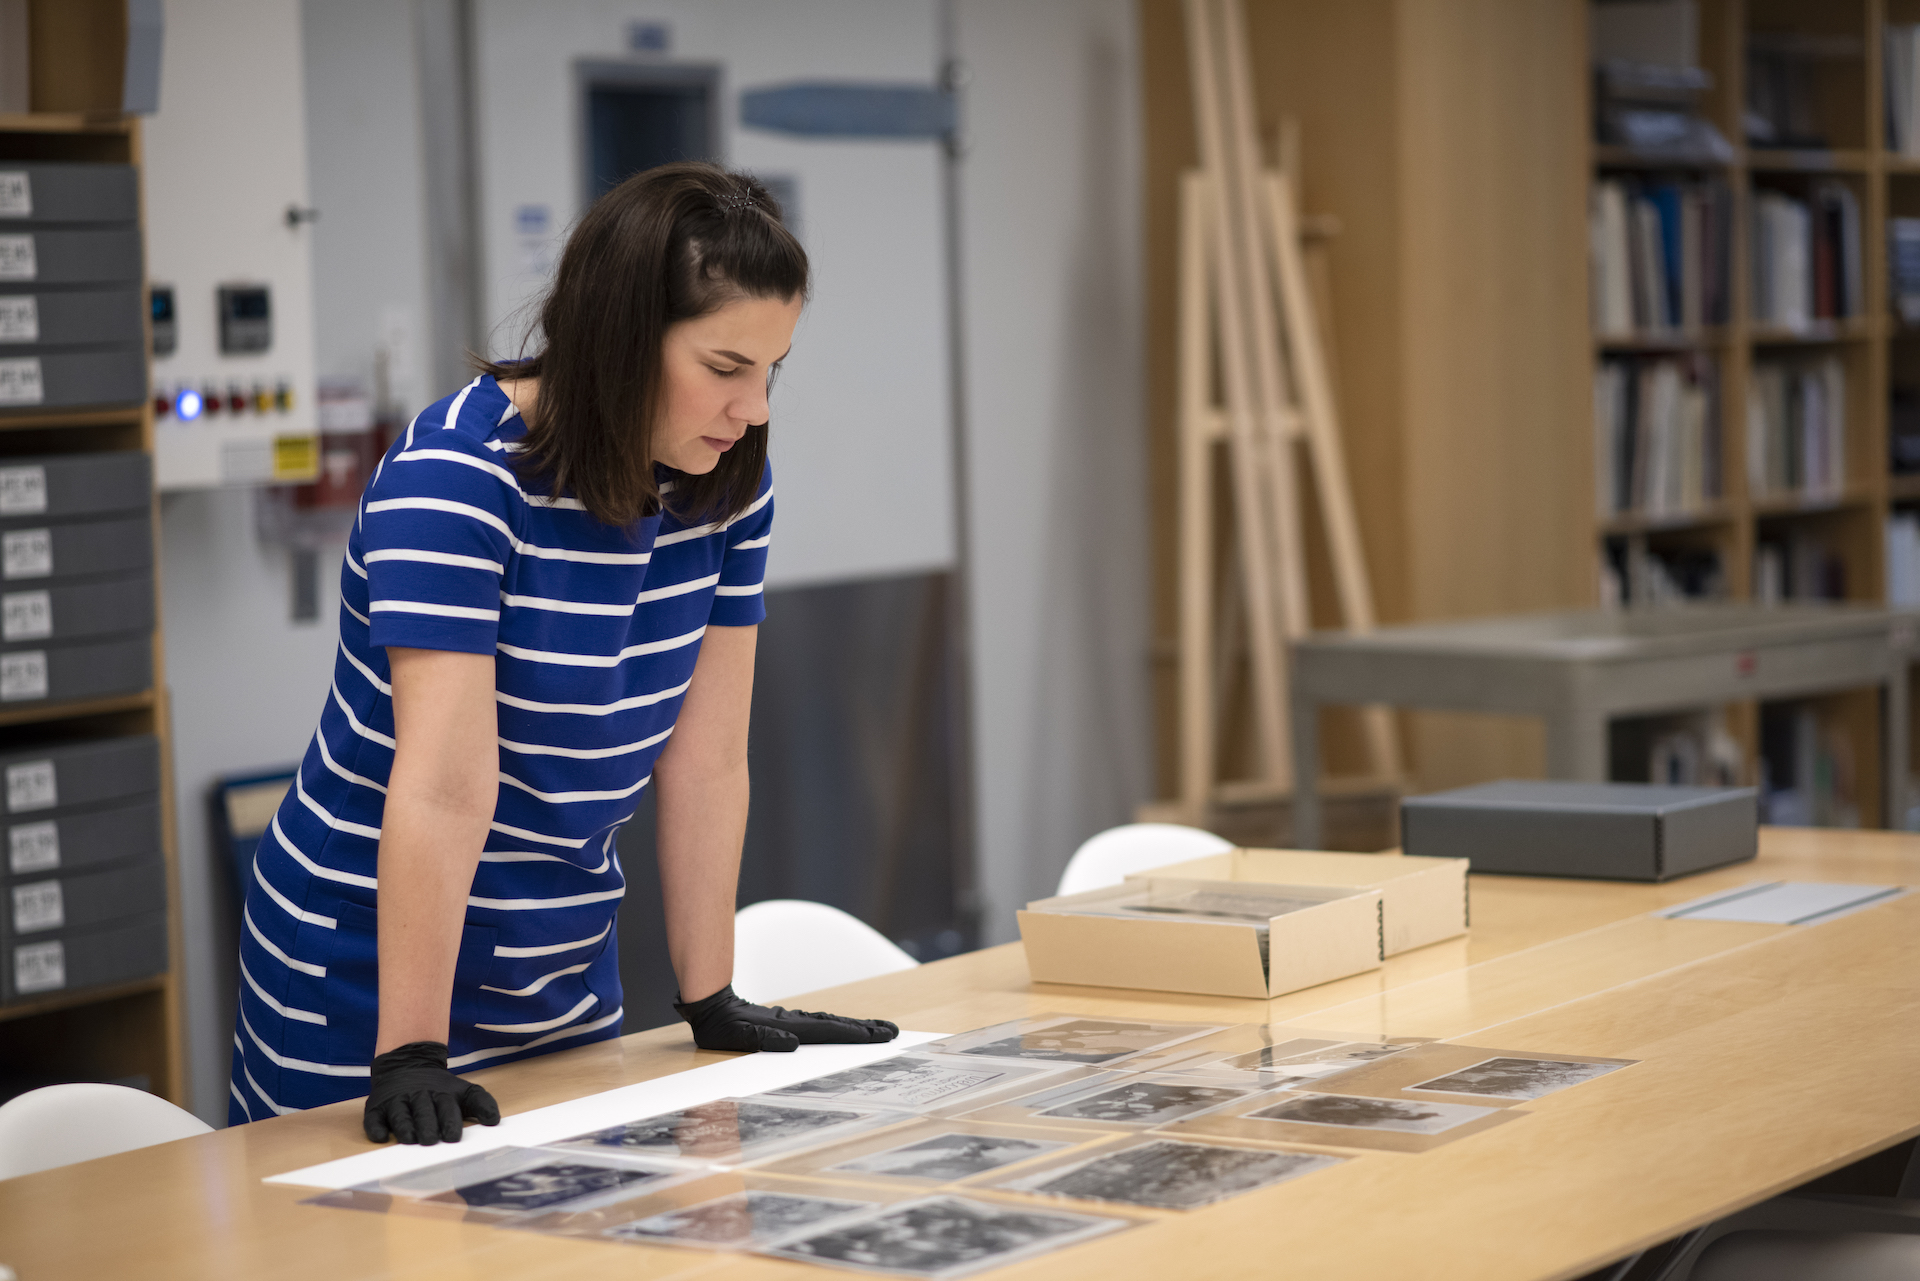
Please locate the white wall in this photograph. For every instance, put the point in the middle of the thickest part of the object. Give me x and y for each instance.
(860, 440)
(1056, 389)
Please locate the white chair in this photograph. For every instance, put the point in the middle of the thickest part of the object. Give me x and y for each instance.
(786, 946)
(1113, 855)
(61, 1124)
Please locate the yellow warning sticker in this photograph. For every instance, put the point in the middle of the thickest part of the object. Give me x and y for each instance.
(296, 457)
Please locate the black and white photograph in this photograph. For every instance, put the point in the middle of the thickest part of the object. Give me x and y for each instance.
(1145, 1101)
(545, 1186)
(1350, 1111)
(944, 1236)
(1514, 1078)
(738, 1220)
(1245, 907)
(1318, 1062)
(1070, 1040)
(726, 1129)
(904, 1081)
(947, 1158)
(1169, 1174)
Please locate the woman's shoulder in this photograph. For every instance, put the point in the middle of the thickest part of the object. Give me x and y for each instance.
(459, 447)
(478, 417)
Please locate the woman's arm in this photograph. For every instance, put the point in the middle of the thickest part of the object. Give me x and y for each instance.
(440, 799)
(700, 784)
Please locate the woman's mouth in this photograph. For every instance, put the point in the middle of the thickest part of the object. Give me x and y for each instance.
(720, 444)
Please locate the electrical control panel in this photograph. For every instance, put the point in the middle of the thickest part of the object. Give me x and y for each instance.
(246, 319)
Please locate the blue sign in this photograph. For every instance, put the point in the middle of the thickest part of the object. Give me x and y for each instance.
(848, 109)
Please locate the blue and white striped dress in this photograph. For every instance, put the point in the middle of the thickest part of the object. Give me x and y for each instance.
(594, 632)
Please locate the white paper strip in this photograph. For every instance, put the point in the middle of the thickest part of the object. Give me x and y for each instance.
(748, 1074)
(1784, 902)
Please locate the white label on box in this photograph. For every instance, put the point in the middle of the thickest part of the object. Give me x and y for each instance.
(23, 675)
(39, 906)
(19, 318)
(20, 381)
(31, 786)
(16, 194)
(39, 967)
(23, 490)
(33, 847)
(26, 615)
(17, 259)
(26, 553)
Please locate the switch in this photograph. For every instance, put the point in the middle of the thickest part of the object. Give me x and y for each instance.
(283, 397)
(262, 398)
(236, 399)
(210, 402)
(246, 320)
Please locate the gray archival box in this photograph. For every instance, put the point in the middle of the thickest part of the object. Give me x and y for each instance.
(1601, 831)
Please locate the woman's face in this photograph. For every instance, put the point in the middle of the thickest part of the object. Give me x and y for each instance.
(717, 368)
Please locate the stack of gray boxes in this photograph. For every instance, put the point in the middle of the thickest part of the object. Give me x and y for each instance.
(71, 288)
(85, 877)
(83, 893)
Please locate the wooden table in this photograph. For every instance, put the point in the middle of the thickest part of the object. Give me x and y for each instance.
(1771, 1054)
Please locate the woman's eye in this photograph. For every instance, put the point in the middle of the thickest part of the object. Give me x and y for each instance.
(724, 373)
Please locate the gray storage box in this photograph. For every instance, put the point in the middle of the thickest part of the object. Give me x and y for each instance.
(67, 191)
(75, 549)
(1602, 831)
(62, 486)
(70, 379)
(83, 669)
(54, 778)
(33, 321)
(84, 257)
(80, 841)
(132, 949)
(46, 905)
(32, 616)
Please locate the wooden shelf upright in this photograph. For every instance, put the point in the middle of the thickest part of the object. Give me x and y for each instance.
(129, 1031)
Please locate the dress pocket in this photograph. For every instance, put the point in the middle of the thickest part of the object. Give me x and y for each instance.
(353, 979)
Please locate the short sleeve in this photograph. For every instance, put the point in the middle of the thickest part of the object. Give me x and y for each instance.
(740, 598)
(437, 531)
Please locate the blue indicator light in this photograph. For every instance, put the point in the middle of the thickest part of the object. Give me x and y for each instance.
(187, 405)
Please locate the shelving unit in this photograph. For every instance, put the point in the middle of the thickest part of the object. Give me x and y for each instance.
(1848, 522)
(130, 1030)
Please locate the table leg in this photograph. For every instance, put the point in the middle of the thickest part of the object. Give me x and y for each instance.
(1306, 772)
(1894, 787)
(1577, 745)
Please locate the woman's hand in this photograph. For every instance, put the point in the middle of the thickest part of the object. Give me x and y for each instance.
(725, 1021)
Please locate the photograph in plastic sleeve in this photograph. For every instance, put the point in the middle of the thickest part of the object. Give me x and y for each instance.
(1314, 1119)
(1116, 1101)
(1165, 1173)
(945, 1236)
(504, 1182)
(1272, 1057)
(1515, 1078)
(1070, 1038)
(1476, 1074)
(732, 1131)
(718, 1210)
(919, 1082)
(933, 1152)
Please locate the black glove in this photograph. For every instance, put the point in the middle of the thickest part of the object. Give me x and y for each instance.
(416, 1100)
(724, 1021)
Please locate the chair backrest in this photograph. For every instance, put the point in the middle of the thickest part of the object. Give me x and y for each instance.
(1113, 855)
(786, 946)
(61, 1124)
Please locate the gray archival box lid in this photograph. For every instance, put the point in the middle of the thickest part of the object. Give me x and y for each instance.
(1603, 831)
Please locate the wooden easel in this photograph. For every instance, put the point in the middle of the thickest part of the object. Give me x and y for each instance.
(1245, 309)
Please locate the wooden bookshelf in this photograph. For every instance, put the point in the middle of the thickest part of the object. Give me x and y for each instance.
(1456, 149)
(130, 1030)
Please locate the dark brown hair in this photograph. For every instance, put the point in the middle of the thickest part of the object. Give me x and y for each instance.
(670, 244)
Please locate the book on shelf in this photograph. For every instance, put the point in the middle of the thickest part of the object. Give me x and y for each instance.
(1903, 560)
(1903, 265)
(1797, 567)
(1901, 50)
(1783, 87)
(1807, 776)
(1656, 435)
(1796, 427)
(1806, 256)
(1633, 574)
(1658, 254)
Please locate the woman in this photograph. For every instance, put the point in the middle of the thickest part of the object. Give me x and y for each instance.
(548, 602)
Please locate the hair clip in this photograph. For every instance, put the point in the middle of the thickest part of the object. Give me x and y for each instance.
(734, 201)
